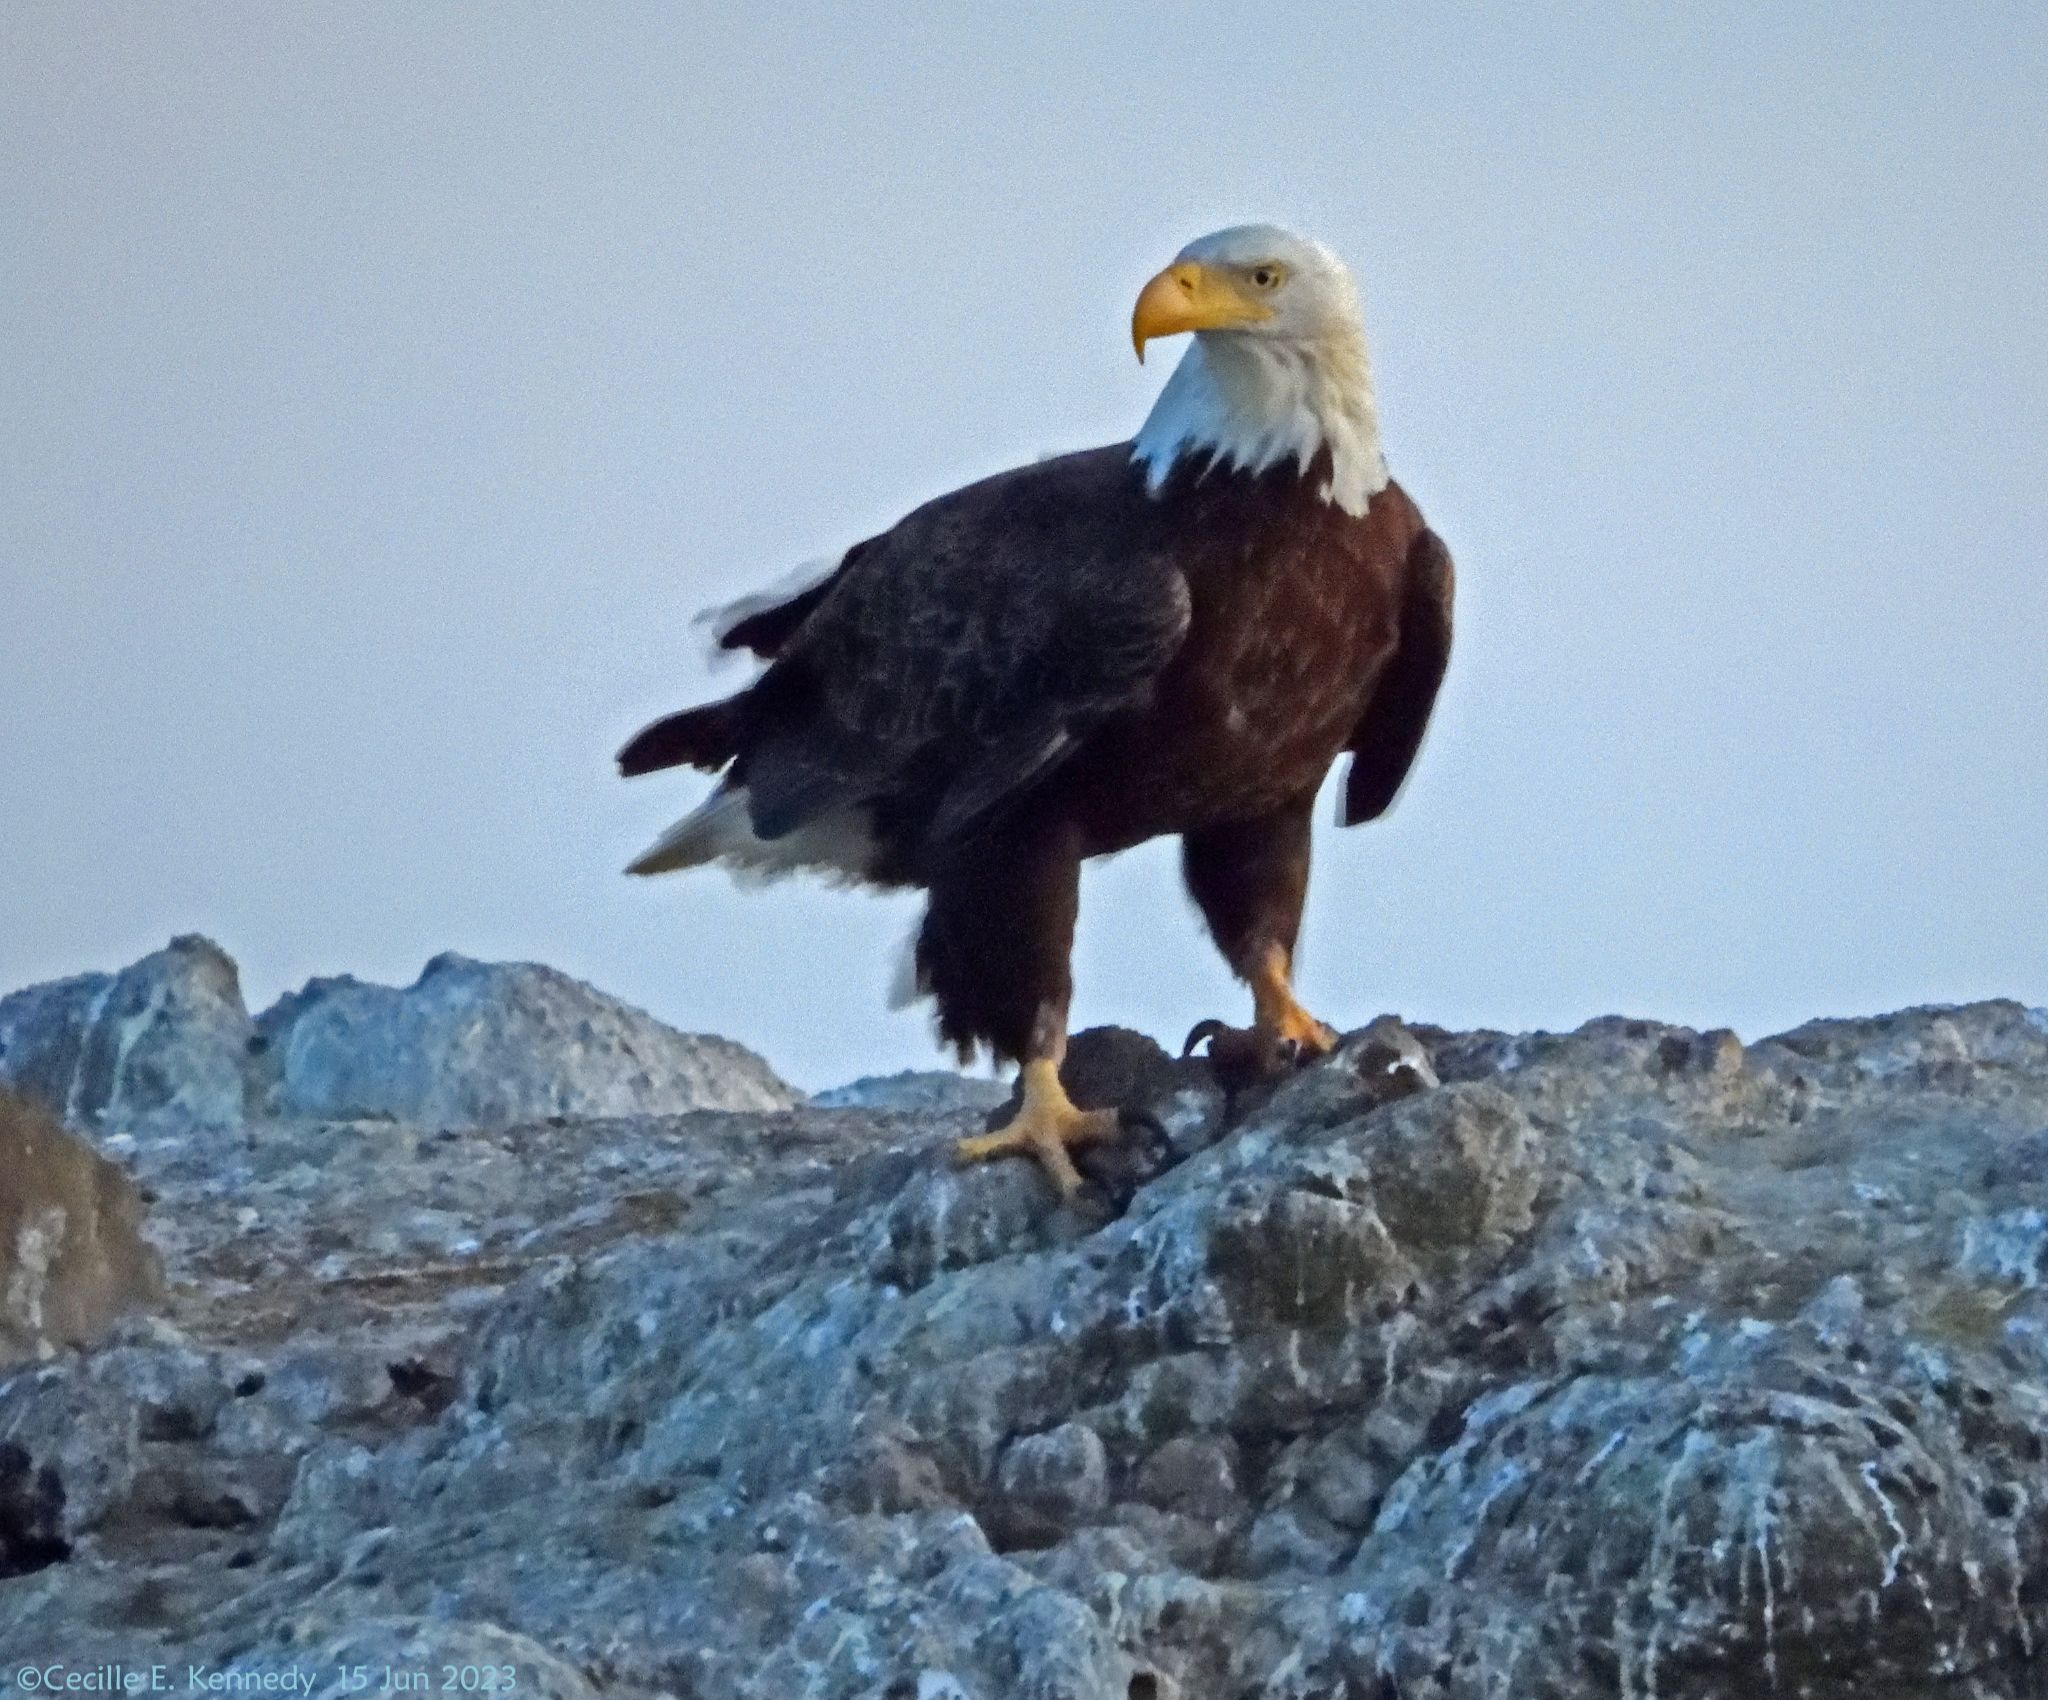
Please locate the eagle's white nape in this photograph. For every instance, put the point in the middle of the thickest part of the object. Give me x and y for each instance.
(839, 845)
(1281, 389)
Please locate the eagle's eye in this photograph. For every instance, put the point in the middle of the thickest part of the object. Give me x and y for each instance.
(1269, 274)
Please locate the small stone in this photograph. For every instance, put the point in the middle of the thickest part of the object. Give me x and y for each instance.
(887, 1472)
(1294, 1539)
(2011, 1247)
(1345, 1487)
(1718, 1053)
(178, 1390)
(1455, 1170)
(1195, 1474)
(1060, 1477)
(1389, 1061)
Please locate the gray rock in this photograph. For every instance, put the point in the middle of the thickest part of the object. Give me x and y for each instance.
(168, 1035)
(1943, 1046)
(150, 1431)
(488, 1044)
(1294, 1539)
(72, 1254)
(933, 1092)
(1628, 1361)
(1769, 1509)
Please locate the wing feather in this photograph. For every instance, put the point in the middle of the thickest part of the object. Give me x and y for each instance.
(1389, 733)
(957, 659)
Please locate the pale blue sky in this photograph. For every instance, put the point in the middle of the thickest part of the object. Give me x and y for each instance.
(383, 387)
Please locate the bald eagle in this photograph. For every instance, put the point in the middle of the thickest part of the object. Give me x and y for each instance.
(1175, 634)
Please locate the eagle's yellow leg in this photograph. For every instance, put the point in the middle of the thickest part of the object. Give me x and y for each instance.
(1046, 1124)
(1280, 1025)
(1282, 1032)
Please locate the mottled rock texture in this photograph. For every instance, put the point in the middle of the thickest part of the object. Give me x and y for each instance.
(72, 1255)
(1622, 1362)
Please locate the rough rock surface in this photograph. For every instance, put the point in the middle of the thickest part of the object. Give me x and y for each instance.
(72, 1255)
(921, 1091)
(487, 1044)
(1628, 1361)
(167, 1034)
(167, 1045)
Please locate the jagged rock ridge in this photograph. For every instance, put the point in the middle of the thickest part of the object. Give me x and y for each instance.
(169, 1041)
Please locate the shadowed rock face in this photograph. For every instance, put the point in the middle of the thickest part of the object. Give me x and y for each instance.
(72, 1255)
(1626, 1361)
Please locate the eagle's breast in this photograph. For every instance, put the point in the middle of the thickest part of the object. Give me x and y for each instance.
(1294, 608)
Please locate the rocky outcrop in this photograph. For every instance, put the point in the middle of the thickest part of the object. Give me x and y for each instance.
(488, 1044)
(168, 1035)
(166, 1046)
(72, 1255)
(1630, 1361)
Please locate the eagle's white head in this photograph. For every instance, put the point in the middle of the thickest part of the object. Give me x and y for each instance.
(1278, 367)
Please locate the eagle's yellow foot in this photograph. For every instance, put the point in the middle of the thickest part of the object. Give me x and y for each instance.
(1296, 1033)
(1046, 1124)
(1283, 1035)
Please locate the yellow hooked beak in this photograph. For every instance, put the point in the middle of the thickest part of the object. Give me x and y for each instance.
(1188, 296)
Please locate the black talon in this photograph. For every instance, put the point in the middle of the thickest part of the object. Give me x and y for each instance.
(1207, 1028)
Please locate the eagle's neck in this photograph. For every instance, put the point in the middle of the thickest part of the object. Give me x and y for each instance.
(1250, 402)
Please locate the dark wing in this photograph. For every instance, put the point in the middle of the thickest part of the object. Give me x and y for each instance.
(958, 658)
(1390, 731)
(771, 624)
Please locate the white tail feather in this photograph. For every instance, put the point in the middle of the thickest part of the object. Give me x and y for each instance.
(906, 984)
(841, 844)
(712, 830)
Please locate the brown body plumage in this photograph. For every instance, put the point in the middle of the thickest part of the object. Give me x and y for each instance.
(1005, 700)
